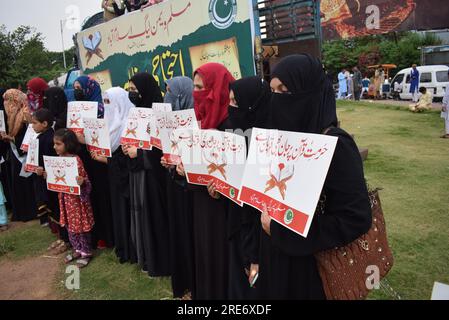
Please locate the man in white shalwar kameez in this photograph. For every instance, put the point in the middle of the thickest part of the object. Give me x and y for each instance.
(445, 112)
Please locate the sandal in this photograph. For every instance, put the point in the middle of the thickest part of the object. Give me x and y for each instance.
(71, 257)
(82, 263)
(55, 245)
(63, 247)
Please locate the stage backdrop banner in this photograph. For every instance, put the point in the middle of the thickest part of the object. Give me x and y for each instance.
(170, 39)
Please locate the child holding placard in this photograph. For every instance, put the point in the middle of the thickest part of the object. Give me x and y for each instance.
(76, 211)
(42, 122)
(47, 202)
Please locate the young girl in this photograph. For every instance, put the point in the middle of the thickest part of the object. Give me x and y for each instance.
(76, 211)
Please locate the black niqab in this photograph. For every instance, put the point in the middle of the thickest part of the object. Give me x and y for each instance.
(253, 99)
(310, 104)
(55, 100)
(148, 89)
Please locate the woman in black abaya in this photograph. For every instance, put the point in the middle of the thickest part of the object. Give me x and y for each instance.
(116, 109)
(249, 106)
(179, 201)
(87, 89)
(20, 184)
(303, 101)
(149, 220)
(211, 248)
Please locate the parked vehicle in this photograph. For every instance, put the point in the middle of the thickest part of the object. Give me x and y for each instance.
(433, 78)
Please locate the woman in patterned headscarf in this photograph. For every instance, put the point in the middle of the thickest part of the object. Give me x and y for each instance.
(21, 188)
(87, 89)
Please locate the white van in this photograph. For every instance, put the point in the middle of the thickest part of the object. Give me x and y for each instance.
(433, 78)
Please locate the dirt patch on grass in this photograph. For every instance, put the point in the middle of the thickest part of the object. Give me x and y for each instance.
(29, 279)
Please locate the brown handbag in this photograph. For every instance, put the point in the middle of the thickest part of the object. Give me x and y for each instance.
(345, 271)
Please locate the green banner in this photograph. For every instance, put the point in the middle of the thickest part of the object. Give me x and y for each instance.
(170, 39)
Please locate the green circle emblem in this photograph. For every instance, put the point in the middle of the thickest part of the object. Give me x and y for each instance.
(289, 216)
(222, 13)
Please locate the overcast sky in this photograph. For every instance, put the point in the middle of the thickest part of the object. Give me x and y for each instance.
(45, 16)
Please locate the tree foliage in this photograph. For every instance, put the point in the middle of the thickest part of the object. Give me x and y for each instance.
(401, 49)
(24, 56)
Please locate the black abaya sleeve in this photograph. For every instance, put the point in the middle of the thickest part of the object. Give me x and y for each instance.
(137, 164)
(19, 139)
(347, 213)
(46, 146)
(251, 229)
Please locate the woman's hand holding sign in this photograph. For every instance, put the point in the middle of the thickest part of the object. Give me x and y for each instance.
(266, 220)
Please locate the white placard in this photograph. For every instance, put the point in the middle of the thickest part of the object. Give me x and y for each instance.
(29, 134)
(136, 132)
(97, 137)
(61, 174)
(286, 171)
(211, 155)
(77, 110)
(2, 122)
(32, 161)
(162, 107)
(185, 119)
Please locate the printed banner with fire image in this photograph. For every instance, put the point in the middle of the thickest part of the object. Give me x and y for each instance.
(286, 171)
(157, 122)
(96, 133)
(214, 156)
(29, 135)
(136, 132)
(185, 119)
(32, 160)
(76, 111)
(61, 174)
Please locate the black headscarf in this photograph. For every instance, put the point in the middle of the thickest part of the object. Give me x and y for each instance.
(252, 95)
(310, 104)
(55, 100)
(148, 89)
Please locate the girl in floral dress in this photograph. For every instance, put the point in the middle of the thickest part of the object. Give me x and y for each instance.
(76, 211)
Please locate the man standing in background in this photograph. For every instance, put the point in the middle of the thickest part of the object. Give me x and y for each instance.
(357, 79)
(342, 84)
(414, 83)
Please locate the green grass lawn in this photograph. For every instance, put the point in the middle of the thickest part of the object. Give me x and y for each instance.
(411, 163)
(406, 158)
